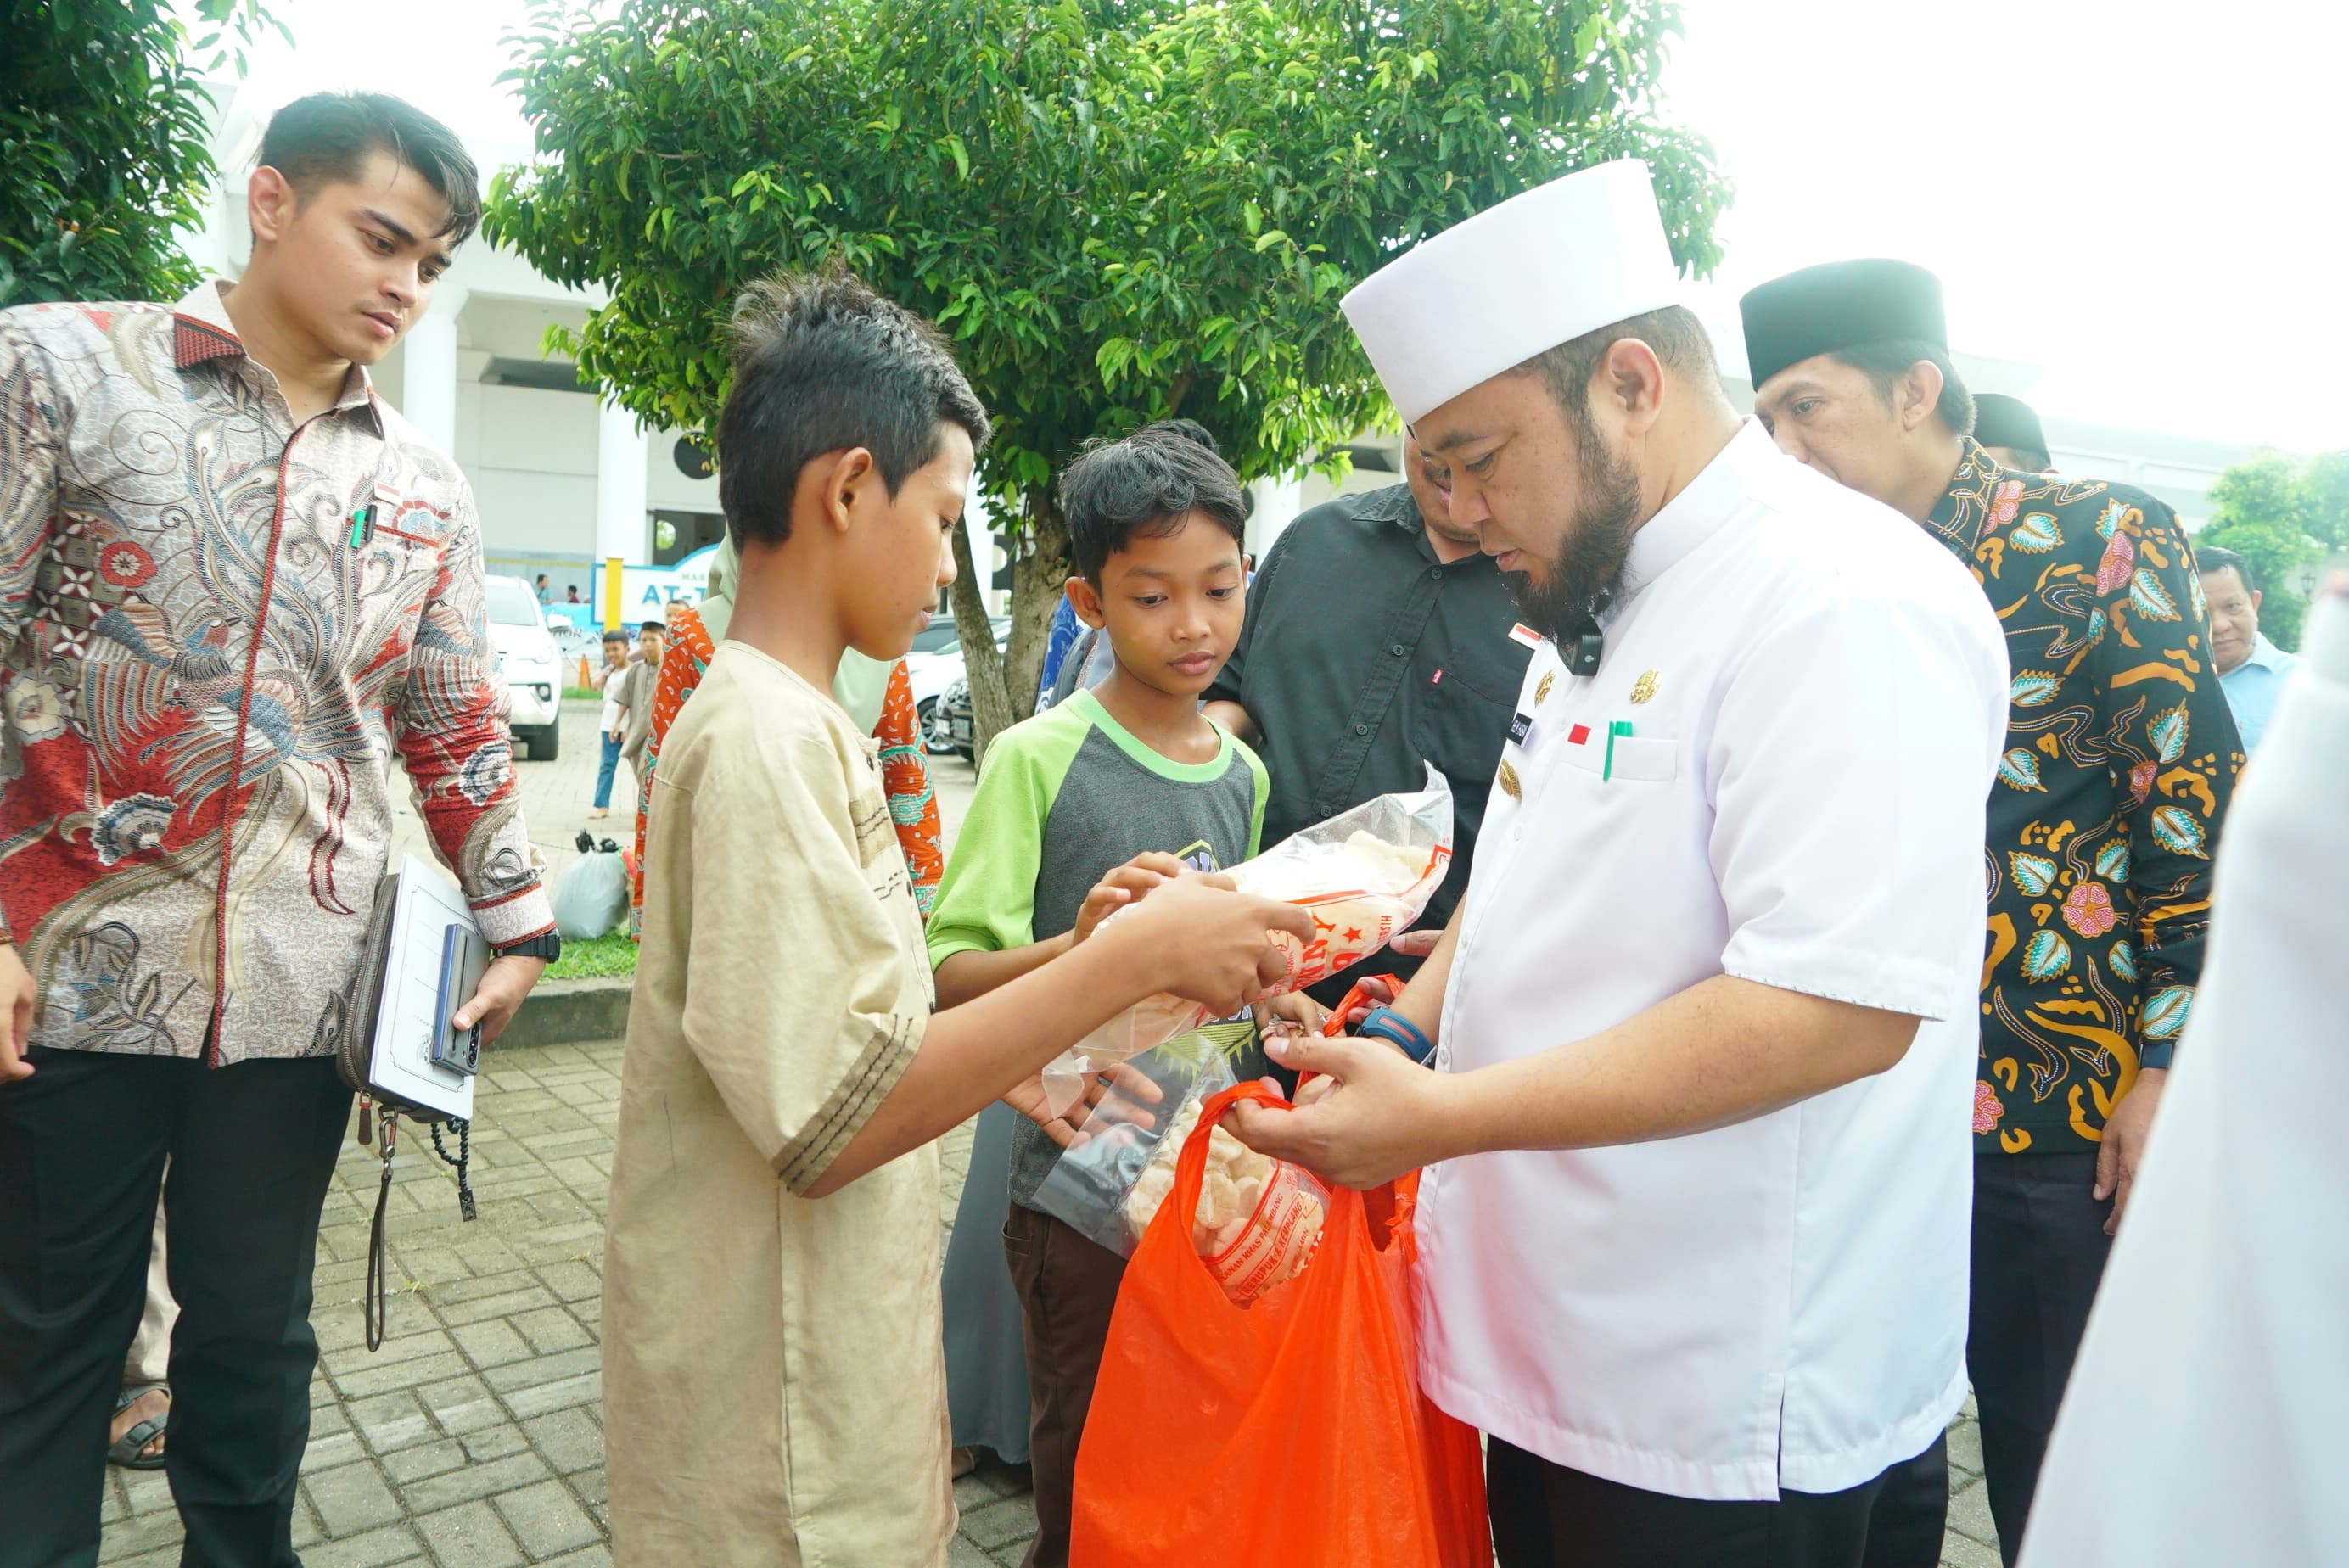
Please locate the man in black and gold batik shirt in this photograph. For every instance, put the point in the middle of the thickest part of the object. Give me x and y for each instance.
(2121, 757)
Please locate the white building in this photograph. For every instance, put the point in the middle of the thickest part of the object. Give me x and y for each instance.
(563, 483)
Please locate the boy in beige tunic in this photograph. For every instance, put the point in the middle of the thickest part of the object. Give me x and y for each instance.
(773, 1381)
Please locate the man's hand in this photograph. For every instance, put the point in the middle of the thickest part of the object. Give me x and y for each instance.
(1416, 943)
(507, 981)
(1295, 1013)
(1234, 717)
(1381, 1116)
(1127, 1092)
(16, 1000)
(1208, 943)
(1120, 887)
(2122, 1153)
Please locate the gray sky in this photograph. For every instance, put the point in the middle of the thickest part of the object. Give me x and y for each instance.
(2141, 195)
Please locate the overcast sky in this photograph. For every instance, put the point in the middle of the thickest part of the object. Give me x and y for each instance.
(2144, 196)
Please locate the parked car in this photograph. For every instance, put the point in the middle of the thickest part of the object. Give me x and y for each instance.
(936, 664)
(958, 731)
(530, 664)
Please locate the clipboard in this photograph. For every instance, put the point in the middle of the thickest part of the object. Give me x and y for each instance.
(424, 959)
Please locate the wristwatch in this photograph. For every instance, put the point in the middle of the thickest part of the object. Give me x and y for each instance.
(546, 944)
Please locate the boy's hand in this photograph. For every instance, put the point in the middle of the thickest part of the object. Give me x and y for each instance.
(1126, 1090)
(1120, 887)
(1295, 1013)
(1210, 945)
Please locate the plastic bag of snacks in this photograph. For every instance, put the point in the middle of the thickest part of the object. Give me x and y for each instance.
(1258, 1218)
(1192, 1453)
(1364, 874)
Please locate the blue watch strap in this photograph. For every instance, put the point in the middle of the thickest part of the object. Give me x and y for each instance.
(1386, 1024)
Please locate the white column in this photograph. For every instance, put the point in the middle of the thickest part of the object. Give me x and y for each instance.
(1277, 502)
(622, 459)
(428, 372)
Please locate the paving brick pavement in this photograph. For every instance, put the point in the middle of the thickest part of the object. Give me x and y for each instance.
(474, 1438)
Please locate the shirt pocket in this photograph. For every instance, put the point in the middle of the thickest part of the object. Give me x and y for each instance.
(1639, 759)
(1461, 729)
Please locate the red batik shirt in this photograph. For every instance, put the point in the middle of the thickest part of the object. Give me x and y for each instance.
(205, 672)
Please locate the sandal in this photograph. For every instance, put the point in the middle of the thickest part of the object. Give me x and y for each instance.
(126, 1449)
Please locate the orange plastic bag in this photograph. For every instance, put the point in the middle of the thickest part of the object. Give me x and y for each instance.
(1287, 1434)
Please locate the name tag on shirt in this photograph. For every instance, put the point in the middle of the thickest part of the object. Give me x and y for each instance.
(1521, 725)
(1524, 636)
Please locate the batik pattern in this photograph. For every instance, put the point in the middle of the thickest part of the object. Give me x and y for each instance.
(2121, 758)
(205, 675)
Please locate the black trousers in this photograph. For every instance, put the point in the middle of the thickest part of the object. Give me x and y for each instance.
(82, 1146)
(2039, 1249)
(1547, 1516)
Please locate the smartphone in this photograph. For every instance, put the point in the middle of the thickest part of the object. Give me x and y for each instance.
(464, 958)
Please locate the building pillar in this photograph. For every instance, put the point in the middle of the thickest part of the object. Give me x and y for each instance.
(1277, 502)
(622, 463)
(428, 372)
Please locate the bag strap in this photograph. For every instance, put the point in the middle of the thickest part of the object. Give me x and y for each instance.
(375, 1305)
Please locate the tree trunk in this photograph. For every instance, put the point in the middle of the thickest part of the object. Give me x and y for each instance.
(1003, 685)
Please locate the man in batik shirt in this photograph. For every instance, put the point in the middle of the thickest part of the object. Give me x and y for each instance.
(2121, 758)
(234, 584)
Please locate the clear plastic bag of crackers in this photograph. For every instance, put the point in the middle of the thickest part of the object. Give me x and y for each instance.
(1364, 874)
(1258, 1218)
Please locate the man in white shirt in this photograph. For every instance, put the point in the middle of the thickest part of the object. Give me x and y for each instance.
(1694, 1255)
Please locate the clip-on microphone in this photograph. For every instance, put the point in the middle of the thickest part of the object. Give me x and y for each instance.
(1583, 647)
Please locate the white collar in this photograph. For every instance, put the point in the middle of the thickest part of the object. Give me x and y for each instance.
(1702, 506)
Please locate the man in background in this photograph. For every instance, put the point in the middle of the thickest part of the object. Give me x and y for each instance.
(2120, 760)
(2252, 670)
(1380, 639)
(2008, 430)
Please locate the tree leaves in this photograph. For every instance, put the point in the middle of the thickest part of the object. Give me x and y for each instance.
(1117, 209)
(104, 133)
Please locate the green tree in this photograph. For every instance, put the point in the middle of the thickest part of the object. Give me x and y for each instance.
(2283, 519)
(1119, 209)
(104, 137)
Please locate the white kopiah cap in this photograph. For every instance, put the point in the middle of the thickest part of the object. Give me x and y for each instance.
(1486, 296)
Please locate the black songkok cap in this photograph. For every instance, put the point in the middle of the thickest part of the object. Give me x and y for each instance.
(1839, 305)
(2003, 421)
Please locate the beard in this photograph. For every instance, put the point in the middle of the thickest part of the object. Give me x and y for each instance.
(1559, 596)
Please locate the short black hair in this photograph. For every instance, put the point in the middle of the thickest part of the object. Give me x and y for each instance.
(1192, 431)
(326, 137)
(822, 364)
(653, 626)
(1145, 485)
(1886, 360)
(1679, 340)
(2216, 558)
(617, 635)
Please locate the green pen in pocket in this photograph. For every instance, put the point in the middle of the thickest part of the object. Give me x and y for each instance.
(1622, 727)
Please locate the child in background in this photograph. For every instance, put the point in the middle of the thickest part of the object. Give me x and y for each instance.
(773, 1386)
(1088, 806)
(611, 729)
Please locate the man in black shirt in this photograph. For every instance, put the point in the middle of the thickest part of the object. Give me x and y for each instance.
(1379, 638)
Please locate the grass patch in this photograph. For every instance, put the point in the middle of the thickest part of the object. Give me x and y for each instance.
(602, 958)
(580, 694)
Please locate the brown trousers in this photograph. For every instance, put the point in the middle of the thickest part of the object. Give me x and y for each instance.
(1068, 1286)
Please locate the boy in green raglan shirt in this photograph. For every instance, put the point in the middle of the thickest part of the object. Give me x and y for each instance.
(1085, 807)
